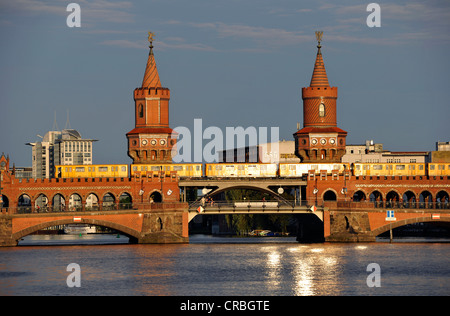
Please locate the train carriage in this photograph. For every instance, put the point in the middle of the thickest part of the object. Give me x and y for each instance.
(239, 170)
(438, 169)
(299, 169)
(389, 169)
(91, 171)
(183, 170)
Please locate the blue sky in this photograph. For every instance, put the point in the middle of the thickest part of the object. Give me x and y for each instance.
(231, 63)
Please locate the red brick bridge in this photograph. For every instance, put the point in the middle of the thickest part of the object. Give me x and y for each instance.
(352, 209)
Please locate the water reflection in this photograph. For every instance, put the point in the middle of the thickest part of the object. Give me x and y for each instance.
(316, 272)
(274, 267)
(226, 266)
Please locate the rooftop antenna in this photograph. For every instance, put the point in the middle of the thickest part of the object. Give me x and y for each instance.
(67, 122)
(55, 124)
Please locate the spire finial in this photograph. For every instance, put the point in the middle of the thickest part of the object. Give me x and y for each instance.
(150, 40)
(319, 35)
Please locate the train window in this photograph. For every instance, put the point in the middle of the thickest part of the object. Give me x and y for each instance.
(292, 167)
(378, 167)
(218, 167)
(102, 169)
(124, 168)
(366, 167)
(135, 168)
(412, 167)
(400, 167)
(197, 168)
(67, 169)
(441, 167)
(420, 167)
(314, 167)
(209, 167)
(358, 167)
(155, 168)
(263, 167)
(177, 168)
(241, 167)
(431, 167)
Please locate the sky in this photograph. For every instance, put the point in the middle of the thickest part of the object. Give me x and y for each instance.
(231, 63)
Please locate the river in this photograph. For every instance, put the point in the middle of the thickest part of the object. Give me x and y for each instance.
(223, 266)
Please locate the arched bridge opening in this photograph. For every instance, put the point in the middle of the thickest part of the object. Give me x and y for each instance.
(416, 230)
(132, 234)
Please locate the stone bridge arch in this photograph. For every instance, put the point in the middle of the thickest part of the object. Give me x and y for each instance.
(380, 230)
(127, 231)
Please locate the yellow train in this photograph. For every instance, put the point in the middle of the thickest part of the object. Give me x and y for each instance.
(299, 169)
(252, 170)
(439, 169)
(389, 169)
(183, 170)
(238, 170)
(92, 171)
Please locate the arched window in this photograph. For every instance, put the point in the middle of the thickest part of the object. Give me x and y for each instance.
(321, 110)
(141, 111)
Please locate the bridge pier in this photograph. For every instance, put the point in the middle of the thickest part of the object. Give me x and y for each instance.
(164, 228)
(6, 232)
(342, 226)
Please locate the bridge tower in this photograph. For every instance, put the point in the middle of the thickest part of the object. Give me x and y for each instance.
(320, 140)
(152, 140)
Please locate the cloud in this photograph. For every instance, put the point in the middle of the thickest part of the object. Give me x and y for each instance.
(260, 34)
(168, 43)
(124, 43)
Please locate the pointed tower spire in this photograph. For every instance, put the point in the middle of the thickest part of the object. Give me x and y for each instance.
(151, 76)
(320, 140)
(319, 77)
(152, 140)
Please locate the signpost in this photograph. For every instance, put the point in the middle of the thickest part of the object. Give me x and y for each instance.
(390, 217)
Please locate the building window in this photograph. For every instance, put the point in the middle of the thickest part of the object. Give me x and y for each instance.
(321, 110)
(141, 111)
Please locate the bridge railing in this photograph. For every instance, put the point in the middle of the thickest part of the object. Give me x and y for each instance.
(27, 209)
(389, 205)
(243, 204)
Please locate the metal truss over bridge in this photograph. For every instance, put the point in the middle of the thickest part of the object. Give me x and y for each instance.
(267, 185)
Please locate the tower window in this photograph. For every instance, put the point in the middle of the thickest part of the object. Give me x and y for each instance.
(321, 110)
(141, 111)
